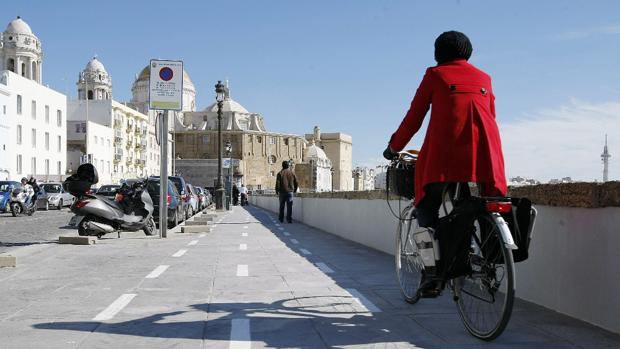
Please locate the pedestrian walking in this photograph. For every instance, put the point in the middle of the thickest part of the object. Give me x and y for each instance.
(235, 195)
(286, 186)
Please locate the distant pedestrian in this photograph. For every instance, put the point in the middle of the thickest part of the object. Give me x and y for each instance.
(235, 195)
(286, 186)
(243, 191)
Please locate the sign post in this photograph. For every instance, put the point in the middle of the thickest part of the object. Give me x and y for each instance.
(165, 94)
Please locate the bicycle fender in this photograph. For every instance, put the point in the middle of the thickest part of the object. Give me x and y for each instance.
(505, 231)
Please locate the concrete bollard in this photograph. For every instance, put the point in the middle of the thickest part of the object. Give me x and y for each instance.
(203, 219)
(7, 261)
(196, 229)
(77, 240)
(195, 222)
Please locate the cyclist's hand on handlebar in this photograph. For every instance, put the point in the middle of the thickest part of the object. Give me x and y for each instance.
(389, 154)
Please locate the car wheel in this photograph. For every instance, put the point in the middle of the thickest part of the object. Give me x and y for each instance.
(59, 205)
(175, 221)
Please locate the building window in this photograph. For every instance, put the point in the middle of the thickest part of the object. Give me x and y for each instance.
(108, 143)
(83, 126)
(272, 140)
(47, 141)
(59, 167)
(33, 166)
(59, 118)
(109, 167)
(4, 109)
(47, 114)
(285, 141)
(33, 110)
(11, 62)
(47, 167)
(19, 134)
(59, 144)
(34, 137)
(259, 139)
(272, 159)
(19, 105)
(19, 163)
(96, 139)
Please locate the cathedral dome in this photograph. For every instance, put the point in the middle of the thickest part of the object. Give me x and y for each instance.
(18, 26)
(94, 65)
(229, 105)
(316, 154)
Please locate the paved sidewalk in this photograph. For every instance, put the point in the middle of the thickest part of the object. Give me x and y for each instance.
(250, 283)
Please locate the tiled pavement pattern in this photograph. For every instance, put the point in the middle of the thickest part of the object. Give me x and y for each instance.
(250, 283)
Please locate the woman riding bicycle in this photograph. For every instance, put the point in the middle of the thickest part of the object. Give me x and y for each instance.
(462, 142)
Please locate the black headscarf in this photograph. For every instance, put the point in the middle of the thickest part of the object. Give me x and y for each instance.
(452, 45)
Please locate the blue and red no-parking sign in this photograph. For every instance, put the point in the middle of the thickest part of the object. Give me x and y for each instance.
(166, 73)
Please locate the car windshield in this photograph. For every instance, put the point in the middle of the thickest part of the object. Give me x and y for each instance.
(4, 186)
(51, 188)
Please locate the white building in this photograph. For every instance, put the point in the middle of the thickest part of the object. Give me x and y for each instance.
(34, 115)
(321, 168)
(363, 179)
(4, 131)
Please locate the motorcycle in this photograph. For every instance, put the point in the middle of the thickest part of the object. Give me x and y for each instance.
(97, 215)
(17, 203)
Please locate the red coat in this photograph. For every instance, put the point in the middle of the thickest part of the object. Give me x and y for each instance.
(462, 142)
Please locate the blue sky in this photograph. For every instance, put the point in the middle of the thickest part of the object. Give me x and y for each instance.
(353, 66)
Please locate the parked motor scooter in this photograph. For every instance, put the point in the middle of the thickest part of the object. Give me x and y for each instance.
(96, 215)
(17, 203)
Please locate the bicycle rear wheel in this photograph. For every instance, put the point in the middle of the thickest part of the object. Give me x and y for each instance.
(485, 298)
(408, 262)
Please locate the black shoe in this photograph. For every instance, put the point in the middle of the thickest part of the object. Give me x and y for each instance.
(290, 221)
(429, 286)
(281, 220)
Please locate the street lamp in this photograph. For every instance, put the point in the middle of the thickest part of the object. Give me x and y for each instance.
(230, 184)
(219, 190)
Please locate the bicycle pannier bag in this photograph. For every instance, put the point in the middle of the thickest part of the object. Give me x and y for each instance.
(520, 223)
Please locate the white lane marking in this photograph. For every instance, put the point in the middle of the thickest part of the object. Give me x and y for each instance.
(244, 234)
(324, 268)
(242, 270)
(277, 225)
(280, 228)
(304, 251)
(294, 241)
(363, 301)
(240, 334)
(157, 271)
(287, 233)
(202, 235)
(192, 243)
(243, 247)
(245, 227)
(215, 225)
(114, 308)
(179, 253)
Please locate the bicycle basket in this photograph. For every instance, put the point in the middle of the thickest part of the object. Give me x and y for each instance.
(400, 178)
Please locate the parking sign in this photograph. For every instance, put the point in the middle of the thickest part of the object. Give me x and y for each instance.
(166, 85)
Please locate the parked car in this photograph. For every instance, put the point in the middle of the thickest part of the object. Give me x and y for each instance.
(42, 199)
(5, 193)
(203, 199)
(175, 206)
(181, 185)
(193, 200)
(56, 195)
(109, 191)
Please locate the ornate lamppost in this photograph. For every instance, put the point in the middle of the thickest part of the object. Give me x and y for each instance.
(219, 189)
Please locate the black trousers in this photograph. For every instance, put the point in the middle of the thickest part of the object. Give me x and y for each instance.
(286, 199)
(427, 211)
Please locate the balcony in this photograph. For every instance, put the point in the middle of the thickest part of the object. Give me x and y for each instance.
(118, 157)
(118, 123)
(138, 130)
(129, 143)
(143, 144)
(129, 161)
(118, 135)
(129, 128)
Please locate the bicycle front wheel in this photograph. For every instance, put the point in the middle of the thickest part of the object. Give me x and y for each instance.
(486, 296)
(408, 262)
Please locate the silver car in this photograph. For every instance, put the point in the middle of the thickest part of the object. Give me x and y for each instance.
(57, 197)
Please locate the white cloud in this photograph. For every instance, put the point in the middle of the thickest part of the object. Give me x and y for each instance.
(566, 141)
(586, 33)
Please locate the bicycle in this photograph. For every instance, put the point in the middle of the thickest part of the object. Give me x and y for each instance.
(481, 273)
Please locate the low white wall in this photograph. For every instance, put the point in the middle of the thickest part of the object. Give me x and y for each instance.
(573, 260)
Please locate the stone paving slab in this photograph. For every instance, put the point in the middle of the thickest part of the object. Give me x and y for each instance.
(190, 291)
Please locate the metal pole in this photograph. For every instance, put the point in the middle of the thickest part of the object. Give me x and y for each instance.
(219, 191)
(163, 175)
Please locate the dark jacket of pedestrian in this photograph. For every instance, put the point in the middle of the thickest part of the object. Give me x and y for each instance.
(286, 182)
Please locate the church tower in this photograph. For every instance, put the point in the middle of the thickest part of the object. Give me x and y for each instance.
(94, 82)
(20, 51)
(605, 157)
